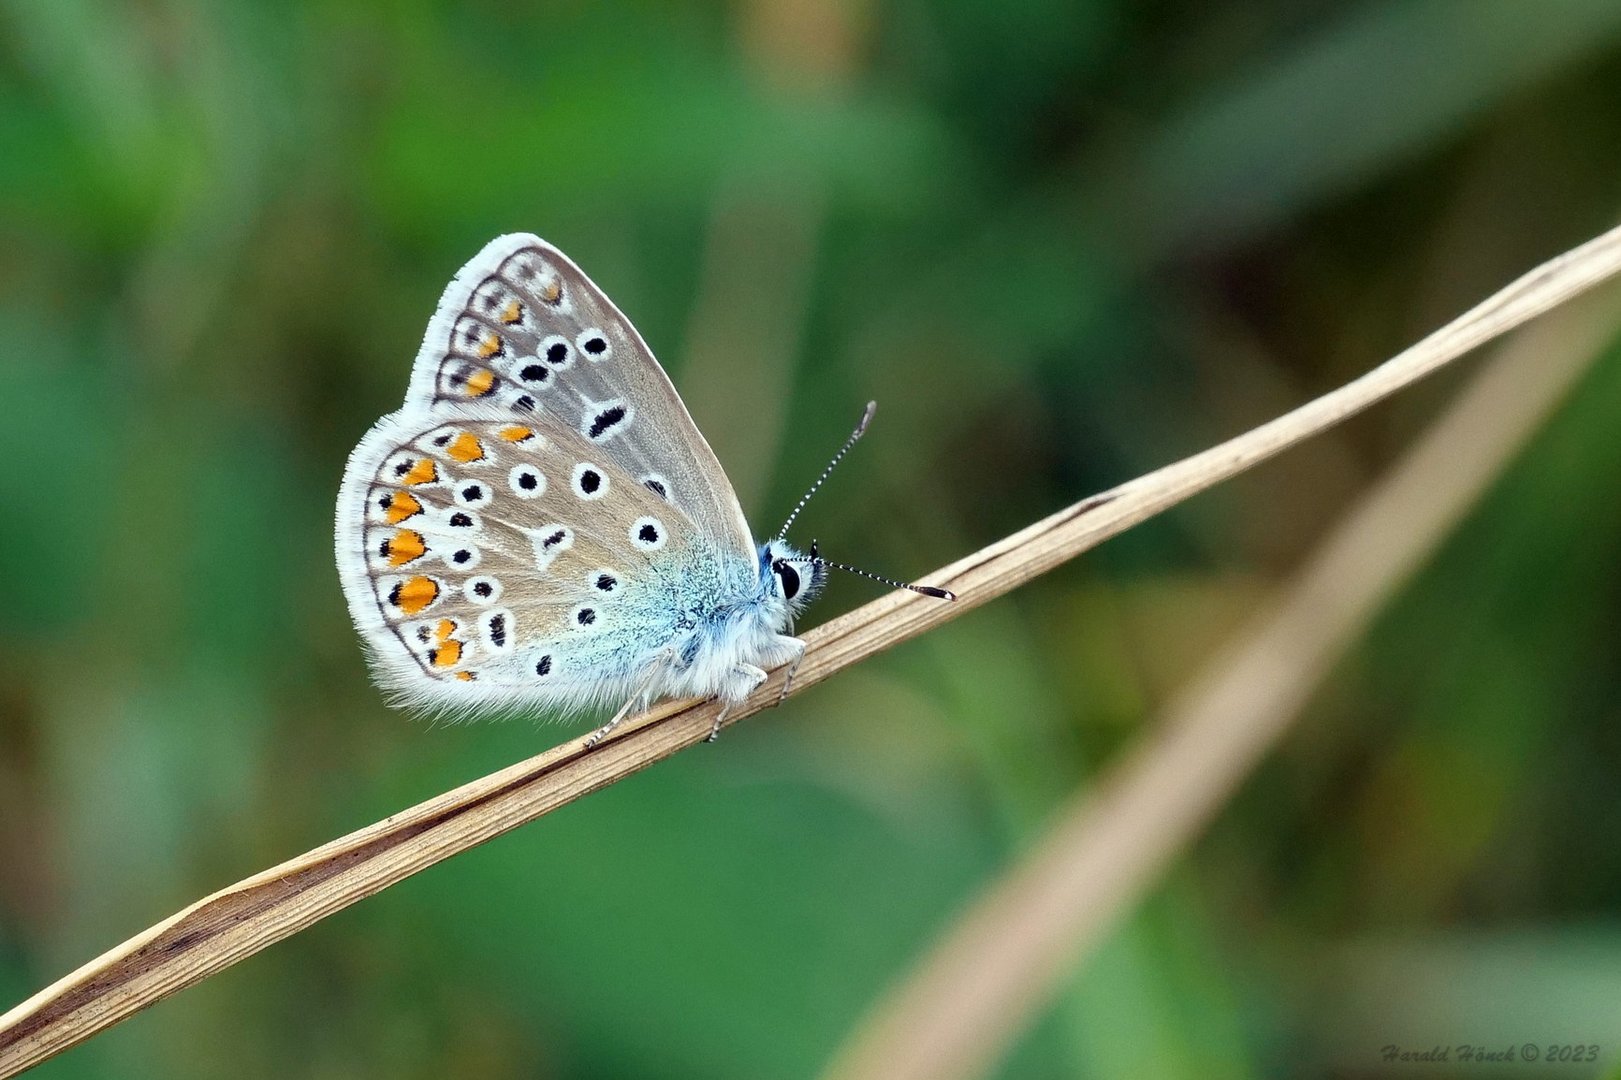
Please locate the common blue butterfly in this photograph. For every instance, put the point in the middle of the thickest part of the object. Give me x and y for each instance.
(541, 524)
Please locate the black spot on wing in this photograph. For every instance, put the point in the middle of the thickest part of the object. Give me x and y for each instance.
(606, 422)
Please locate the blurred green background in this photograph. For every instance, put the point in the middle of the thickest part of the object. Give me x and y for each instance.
(1061, 243)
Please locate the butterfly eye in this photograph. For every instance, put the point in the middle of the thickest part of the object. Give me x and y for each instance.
(789, 578)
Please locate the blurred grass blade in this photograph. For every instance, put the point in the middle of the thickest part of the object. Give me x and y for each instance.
(237, 922)
(1381, 85)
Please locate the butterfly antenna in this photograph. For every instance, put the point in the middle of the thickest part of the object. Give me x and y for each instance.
(861, 429)
(815, 559)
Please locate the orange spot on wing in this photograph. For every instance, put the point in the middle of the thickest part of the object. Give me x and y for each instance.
(517, 433)
(414, 594)
(466, 448)
(490, 346)
(447, 654)
(401, 505)
(480, 383)
(445, 628)
(512, 312)
(423, 472)
(405, 546)
(552, 291)
(466, 676)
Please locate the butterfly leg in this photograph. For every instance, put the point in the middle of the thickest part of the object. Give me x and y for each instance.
(788, 641)
(745, 679)
(720, 718)
(618, 718)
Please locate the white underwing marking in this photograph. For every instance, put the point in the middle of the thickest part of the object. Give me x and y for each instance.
(593, 344)
(647, 533)
(557, 351)
(436, 440)
(589, 481)
(472, 338)
(482, 590)
(532, 373)
(378, 506)
(551, 541)
(463, 557)
(496, 303)
(473, 494)
(463, 522)
(392, 548)
(657, 485)
(538, 277)
(489, 298)
(463, 379)
(524, 267)
(424, 638)
(412, 470)
(527, 482)
(499, 629)
(408, 594)
(605, 419)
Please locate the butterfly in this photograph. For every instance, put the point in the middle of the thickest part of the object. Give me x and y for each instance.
(541, 524)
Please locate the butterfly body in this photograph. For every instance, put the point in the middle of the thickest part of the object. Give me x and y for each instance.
(542, 525)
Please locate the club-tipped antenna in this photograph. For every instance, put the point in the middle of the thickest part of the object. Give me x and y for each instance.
(861, 429)
(815, 559)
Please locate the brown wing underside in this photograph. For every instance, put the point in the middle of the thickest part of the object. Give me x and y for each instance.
(487, 541)
(523, 328)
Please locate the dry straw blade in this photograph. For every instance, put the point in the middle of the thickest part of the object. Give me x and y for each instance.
(238, 921)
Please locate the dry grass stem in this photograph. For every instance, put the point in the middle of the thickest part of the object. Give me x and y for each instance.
(238, 921)
(1004, 959)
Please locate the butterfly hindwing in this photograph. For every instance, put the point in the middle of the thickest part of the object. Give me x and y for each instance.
(522, 328)
(480, 551)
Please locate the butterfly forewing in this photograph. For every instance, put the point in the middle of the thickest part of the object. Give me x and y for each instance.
(485, 550)
(522, 328)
